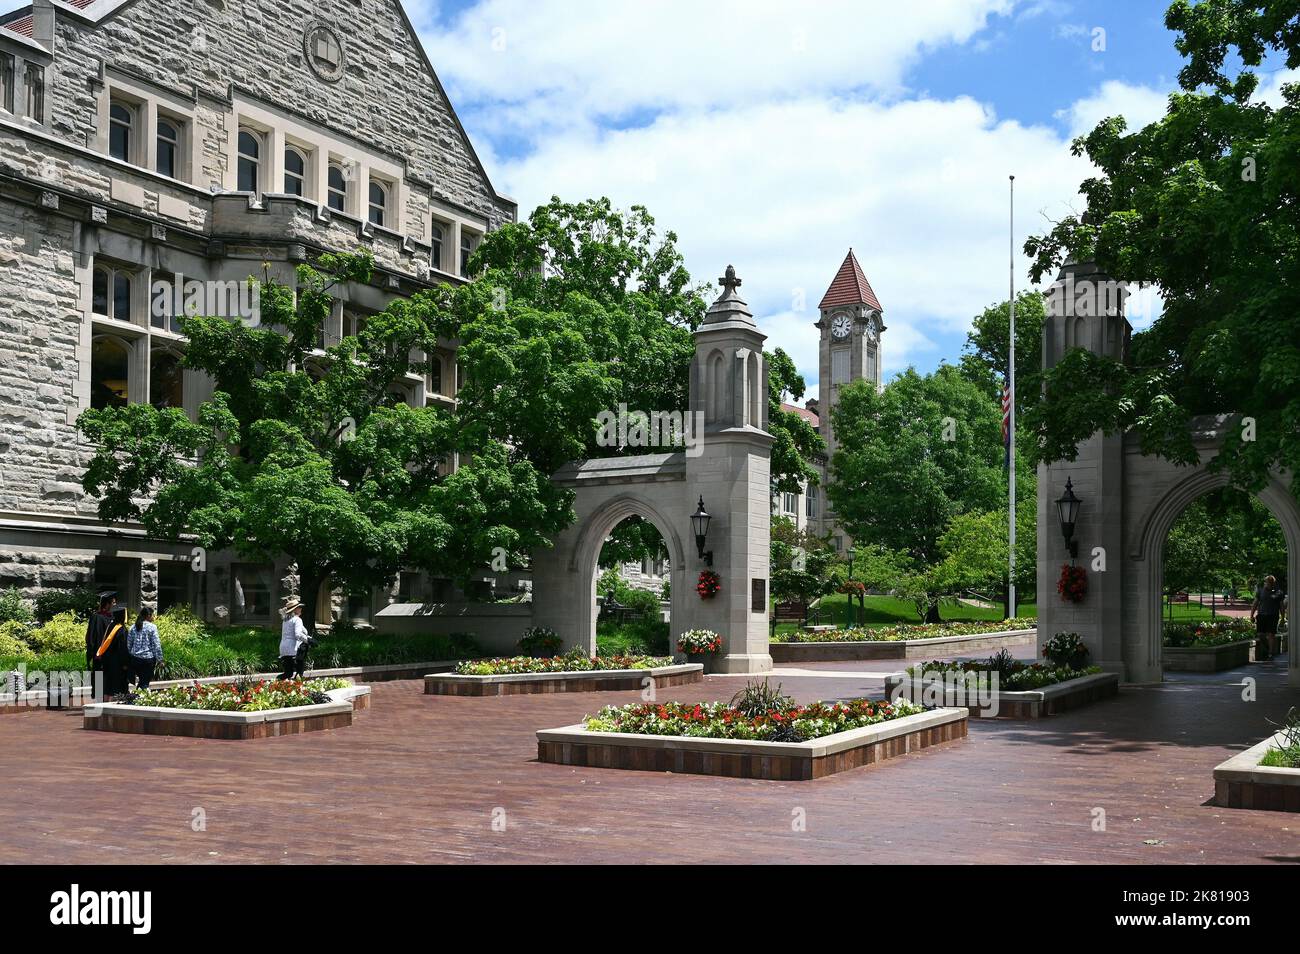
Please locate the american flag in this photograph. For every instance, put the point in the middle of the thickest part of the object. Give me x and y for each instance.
(1006, 420)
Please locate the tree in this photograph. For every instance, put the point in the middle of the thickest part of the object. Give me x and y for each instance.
(795, 441)
(318, 460)
(1205, 204)
(800, 563)
(632, 541)
(986, 352)
(911, 458)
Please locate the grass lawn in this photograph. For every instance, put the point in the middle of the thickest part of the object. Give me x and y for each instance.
(889, 611)
(640, 637)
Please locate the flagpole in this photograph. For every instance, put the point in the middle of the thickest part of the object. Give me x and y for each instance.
(1011, 432)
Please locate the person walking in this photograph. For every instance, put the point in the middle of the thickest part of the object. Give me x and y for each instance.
(144, 647)
(294, 640)
(106, 654)
(1265, 612)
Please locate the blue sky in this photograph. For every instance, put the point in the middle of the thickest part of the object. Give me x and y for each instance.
(774, 136)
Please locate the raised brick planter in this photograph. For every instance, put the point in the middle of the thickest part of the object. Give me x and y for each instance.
(1209, 658)
(32, 700)
(854, 649)
(596, 680)
(1241, 782)
(1029, 704)
(201, 724)
(777, 761)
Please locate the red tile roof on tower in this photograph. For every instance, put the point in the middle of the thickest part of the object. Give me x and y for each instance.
(23, 24)
(850, 287)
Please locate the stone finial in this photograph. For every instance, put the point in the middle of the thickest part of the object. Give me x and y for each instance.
(729, 281)
(729, 306)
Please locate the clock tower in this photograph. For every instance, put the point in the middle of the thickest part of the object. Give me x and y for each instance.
(851, 323)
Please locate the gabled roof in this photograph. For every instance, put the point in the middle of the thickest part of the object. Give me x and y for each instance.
(21, 22)
(850, 287)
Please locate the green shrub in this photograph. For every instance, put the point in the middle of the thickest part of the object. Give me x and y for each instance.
(13, 642)
(80, 601)
(65, 633)
(642, 602)
(178, 626)
(540, 641)
(13, 608)
(643, 636)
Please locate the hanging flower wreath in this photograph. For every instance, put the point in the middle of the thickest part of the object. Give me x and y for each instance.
(1073, 584)
(853, 588)
(709, 585)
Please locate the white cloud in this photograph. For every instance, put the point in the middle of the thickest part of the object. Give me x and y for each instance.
(918, 188)
(588, 58)
(1138, 105)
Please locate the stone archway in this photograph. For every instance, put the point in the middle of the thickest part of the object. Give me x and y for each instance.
(726, 464)
(1130, 502)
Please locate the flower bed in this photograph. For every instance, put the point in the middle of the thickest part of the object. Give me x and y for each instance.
(1207, 634)
(239, 696)
(1020, 691)
(572, 662)
(908, 631)
(1208, 646)
(904, 642)
(791, 742)
(571, 673)
(249, 710)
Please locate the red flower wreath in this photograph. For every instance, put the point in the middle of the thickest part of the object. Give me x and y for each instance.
(709, 585)
(1073, 584)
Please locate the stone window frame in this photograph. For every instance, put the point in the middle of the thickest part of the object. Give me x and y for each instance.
(149, 105)
(17, 107)
(112, 272)
(8, 82)
(305, 178)
(359, 164)
(468, 244)
(456, 224)
(132, 360)
(332, 191)
(384, 207)
(260, 161)
(160, 347)
(179, 163)
(36, 102)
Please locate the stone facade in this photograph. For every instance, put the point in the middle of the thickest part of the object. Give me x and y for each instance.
(124, 168)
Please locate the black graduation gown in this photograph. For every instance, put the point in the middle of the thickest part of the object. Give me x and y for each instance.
(113, 662)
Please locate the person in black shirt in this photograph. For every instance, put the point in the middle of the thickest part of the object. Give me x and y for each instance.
(1265, 612)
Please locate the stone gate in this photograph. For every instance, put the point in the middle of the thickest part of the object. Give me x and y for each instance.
(728, 470)
(1129, 503)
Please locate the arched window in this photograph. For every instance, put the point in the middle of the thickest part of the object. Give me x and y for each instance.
(169, 147)
(295, 171)
(435, 238)
(250, 161)
(338, 188)
(378, 202)
(166, 379)
(110, 370)
(121, 126)
(720, 403)
(435, 374)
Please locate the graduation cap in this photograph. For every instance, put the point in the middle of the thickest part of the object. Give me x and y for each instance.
(107, 595)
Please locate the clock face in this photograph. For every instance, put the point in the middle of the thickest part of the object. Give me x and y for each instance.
(841, 325)
(871, 332)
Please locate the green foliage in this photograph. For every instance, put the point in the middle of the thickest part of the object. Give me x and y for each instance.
(1208, 633)
(795, 442)
(632, 541)
(13, 643)
(13, 608)
(80, 601)
(1223, 541)
(1066, 651)
(64, 633)
(986, 353)
(540, 641)
(760, 698)
(635, 637)
(802, 563)
(1202, 203)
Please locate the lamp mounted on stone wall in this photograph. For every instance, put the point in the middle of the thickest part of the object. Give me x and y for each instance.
(1067, 509)
(700, 524)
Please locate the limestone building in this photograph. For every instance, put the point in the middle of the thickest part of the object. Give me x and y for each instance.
(147, 144)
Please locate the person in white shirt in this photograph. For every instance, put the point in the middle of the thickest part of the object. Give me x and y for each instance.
(293, 642)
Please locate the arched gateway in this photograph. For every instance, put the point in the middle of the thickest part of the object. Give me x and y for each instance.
(727, 466)
(1129, 503)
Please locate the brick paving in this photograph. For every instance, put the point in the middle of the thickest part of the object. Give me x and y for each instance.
(418, 779)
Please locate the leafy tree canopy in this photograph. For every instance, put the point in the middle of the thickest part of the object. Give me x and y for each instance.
(1205, 203)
